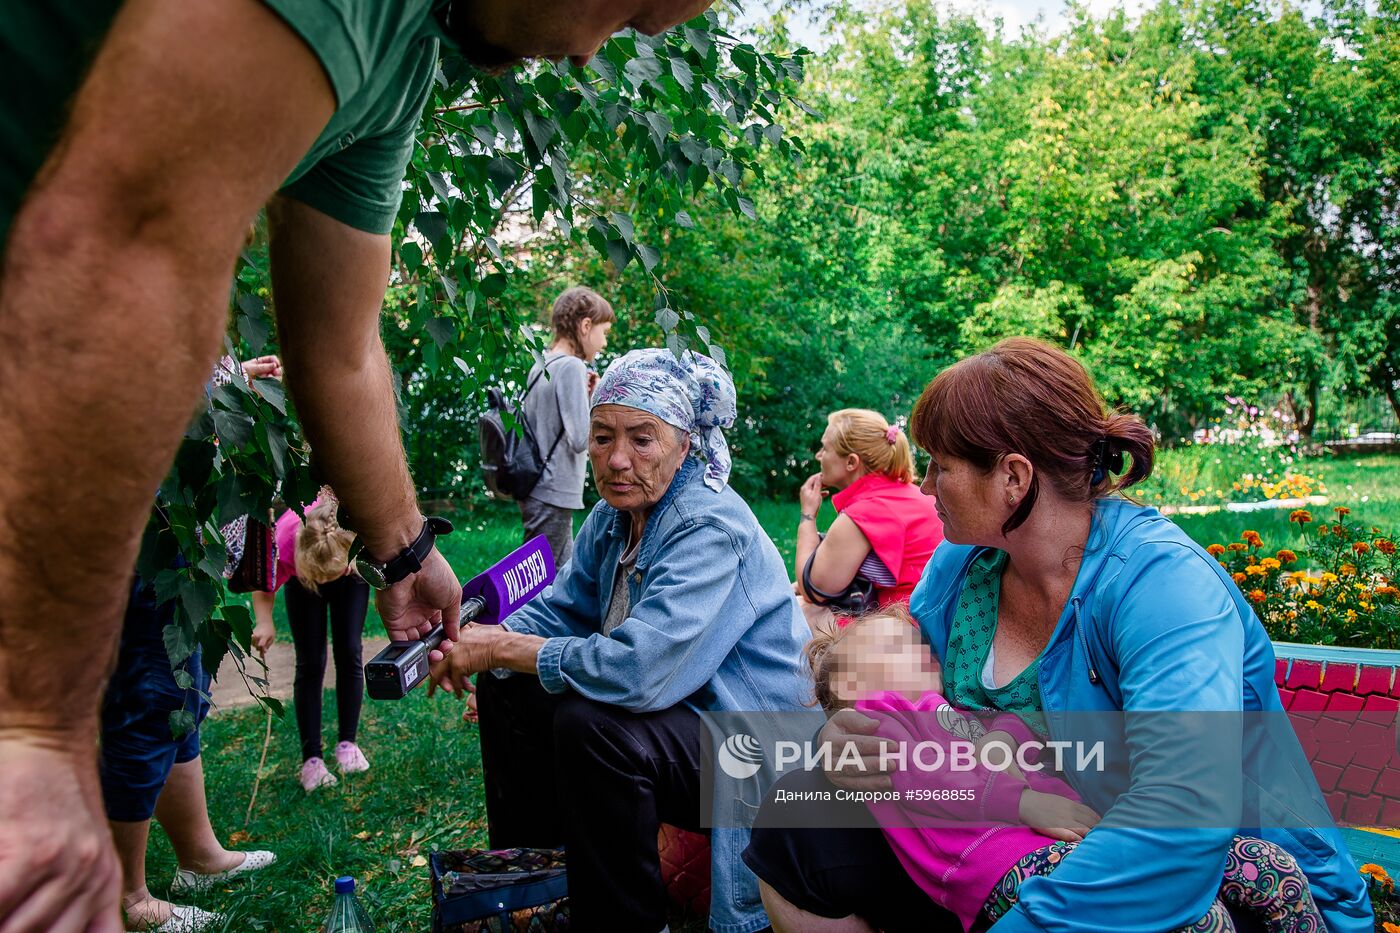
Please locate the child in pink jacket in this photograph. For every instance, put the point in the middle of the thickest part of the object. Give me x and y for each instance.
(970, 838)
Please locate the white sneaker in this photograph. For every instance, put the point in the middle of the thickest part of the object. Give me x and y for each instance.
(186, 880)
(314, 774)
(189, 920)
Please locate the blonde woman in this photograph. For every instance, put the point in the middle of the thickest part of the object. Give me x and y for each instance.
(885, 530)
(313, 564)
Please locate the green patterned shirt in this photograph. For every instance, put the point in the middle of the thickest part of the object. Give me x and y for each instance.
(970, 641)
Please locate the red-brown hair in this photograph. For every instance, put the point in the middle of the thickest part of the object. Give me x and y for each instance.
(1030, 398)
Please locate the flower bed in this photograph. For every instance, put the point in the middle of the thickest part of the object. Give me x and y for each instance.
(1382, 889)
(1196, 475)
(1340, 591)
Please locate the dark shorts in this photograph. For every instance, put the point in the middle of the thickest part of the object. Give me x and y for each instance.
(138, 747)
(839, 864)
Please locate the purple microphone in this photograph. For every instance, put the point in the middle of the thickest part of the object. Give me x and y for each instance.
(495, 593)
(491, 596)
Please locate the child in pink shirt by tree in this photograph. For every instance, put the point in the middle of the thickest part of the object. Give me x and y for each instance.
(318, 583)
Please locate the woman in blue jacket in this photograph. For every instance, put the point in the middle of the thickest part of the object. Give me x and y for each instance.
(675, 604)
(1053, 596)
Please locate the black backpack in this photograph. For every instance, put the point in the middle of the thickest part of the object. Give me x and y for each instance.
(510, 460)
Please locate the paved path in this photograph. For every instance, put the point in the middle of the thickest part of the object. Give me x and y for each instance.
(230, 691)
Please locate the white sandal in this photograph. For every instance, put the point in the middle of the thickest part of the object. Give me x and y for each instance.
(185, 919)
(186, 880)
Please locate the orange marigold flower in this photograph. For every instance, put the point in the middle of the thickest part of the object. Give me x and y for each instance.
(1286, 556)
(1252, 539)
(1347, 570)
(1323, 529)
(1342, 510)
(1237, 546)
(1337, 529)
(1361, 547)
(1238, 577)
(1257, 596)
(1301, 516)
(1385, 546)
(1215, 550)
(1389, 927)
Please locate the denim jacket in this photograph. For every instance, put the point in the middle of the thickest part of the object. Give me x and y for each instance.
(713, 624)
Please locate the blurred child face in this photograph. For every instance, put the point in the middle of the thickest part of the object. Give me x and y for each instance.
(882, 654)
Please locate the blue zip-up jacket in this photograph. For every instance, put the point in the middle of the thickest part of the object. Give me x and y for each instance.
(1155, 624)
(713, 624)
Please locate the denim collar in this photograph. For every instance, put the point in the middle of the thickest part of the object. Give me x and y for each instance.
(619, 526)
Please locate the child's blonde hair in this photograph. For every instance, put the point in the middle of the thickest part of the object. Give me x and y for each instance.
(821, 653)
(882, 448)
(323, 547)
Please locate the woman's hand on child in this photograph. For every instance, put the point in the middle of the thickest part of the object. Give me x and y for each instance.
(1055, 816)
(849, 727)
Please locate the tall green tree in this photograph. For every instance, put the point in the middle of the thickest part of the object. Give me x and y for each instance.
(668, 119)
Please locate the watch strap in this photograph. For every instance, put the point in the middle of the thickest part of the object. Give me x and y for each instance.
(410, 560)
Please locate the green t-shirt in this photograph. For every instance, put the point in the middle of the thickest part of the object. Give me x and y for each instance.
(970, 642)
(380, 55)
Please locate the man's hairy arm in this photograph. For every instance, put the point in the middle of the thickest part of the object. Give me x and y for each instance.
(113, 295)
(328, 280)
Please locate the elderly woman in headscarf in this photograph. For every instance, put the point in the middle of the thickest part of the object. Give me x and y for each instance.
(675, 603)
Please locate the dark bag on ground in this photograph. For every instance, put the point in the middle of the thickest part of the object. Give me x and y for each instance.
(510, 460)
(499, 890)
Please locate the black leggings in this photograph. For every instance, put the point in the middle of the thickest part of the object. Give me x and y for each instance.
(347, 599)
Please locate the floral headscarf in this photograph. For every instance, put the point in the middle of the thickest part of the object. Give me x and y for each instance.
(692, 392)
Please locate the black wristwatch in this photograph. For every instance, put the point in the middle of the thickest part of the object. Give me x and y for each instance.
(409, 561)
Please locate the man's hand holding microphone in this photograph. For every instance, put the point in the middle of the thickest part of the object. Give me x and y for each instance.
(478, 642)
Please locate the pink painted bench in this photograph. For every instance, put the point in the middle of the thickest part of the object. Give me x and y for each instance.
(1346, 703)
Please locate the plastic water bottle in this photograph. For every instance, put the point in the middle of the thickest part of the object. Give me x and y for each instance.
(347, 916)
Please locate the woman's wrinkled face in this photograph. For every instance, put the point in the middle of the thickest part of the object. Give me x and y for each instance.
(884, 654)
(634, 455)
(967, 500)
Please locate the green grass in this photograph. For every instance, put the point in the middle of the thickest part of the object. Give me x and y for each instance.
(423, 792)
(424, 789)
(1365, 484)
